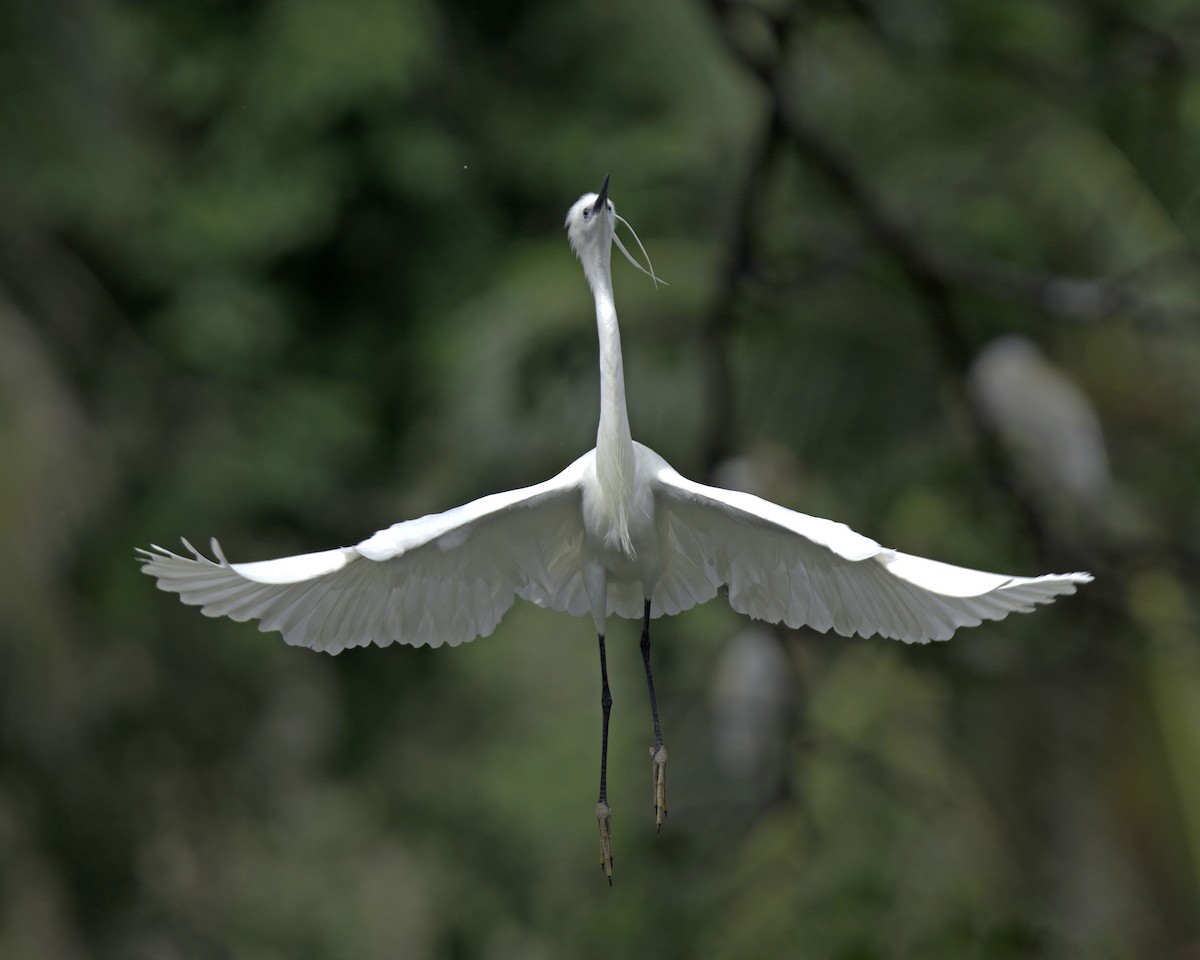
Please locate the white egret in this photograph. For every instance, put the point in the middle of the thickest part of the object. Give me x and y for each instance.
(617, 532)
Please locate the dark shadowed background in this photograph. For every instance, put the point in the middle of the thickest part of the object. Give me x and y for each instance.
(287, 271)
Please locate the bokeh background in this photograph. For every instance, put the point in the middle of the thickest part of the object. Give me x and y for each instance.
(286, 271)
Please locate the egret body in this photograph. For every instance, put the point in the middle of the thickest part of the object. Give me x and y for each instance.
(617, 532)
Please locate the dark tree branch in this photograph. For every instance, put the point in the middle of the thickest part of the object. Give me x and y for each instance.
(1070, 299)
(896, 240)
(735, 264)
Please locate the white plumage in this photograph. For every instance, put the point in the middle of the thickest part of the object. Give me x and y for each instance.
(615, 527)
(450, 577)
(618, 531)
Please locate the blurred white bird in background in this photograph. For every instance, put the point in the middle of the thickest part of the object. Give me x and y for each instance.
(617, 532)
(754, 708)
(1048, 425)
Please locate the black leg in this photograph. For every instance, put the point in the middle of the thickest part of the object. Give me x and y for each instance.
(606, 706)
(603, 810)
(650, 675)
(658, 753)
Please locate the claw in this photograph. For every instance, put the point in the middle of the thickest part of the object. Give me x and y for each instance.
(658, 760)
(604, 819)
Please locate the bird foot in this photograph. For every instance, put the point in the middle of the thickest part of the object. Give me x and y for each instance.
(604, 818)
(658, 760)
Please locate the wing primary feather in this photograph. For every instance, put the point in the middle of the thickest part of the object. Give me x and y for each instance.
(838, 579)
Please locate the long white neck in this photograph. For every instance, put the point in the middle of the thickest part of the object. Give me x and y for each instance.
(614, 442)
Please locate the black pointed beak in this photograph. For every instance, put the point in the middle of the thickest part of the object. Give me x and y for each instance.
(600, 200)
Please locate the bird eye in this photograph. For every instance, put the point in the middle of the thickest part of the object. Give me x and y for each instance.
(587, 212)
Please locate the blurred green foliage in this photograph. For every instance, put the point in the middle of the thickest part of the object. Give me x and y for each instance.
(286, 271)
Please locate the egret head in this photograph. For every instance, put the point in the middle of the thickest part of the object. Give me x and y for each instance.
(590, 224)
(591, 228)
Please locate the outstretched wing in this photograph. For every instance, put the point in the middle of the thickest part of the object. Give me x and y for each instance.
(444, 578)
(780, 565)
